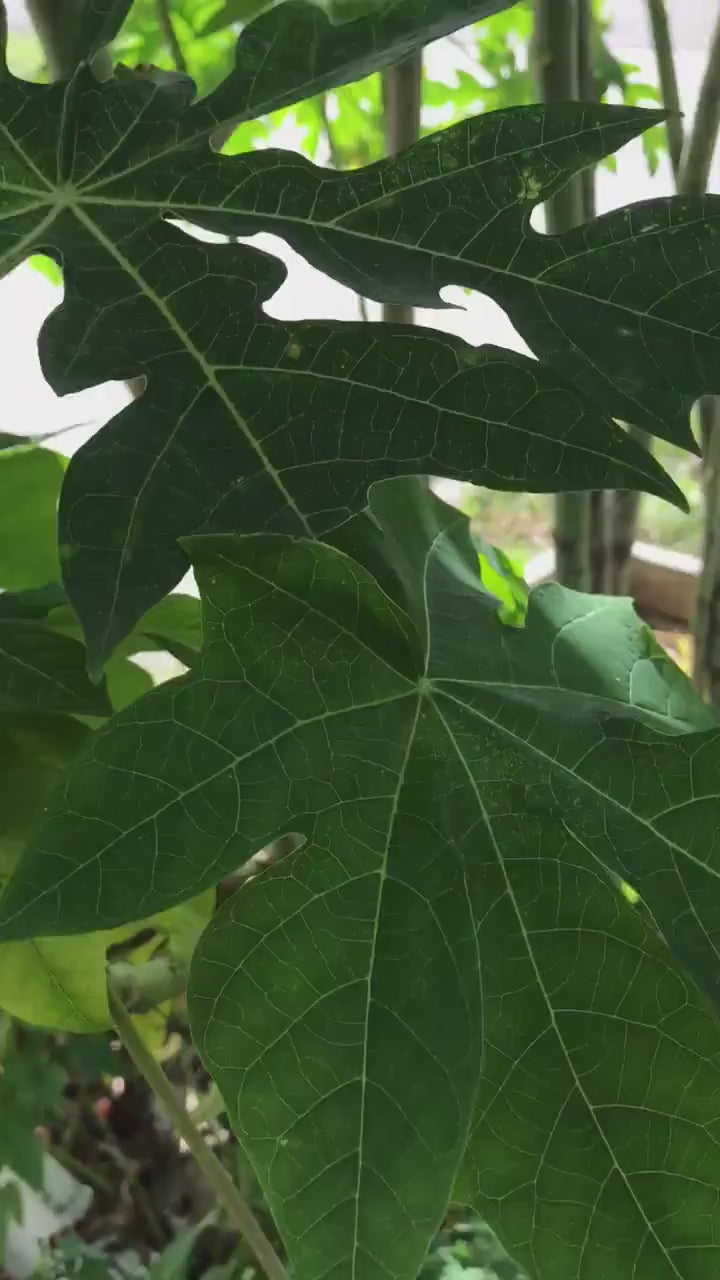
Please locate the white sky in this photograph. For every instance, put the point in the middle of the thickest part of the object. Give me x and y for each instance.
(26, 297)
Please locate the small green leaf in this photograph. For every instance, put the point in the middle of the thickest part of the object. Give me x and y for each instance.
(61, 984)
(43, 671)
(30, 480)
(35, 751)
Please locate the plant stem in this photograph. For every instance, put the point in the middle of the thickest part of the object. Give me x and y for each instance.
(556, 60)
(171, 40)
(601, 503)
(227, 1193)
(667, 75)
(141, 987)
(402, 92)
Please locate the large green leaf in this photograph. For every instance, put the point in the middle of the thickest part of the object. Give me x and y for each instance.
(577, 704)
(227, 433)
(296, 50)
(594, 1148)
(44, 671)
(96, 24)
(459, 784)
(35, 751)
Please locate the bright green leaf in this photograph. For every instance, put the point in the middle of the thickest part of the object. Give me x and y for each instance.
(30, 480)
(60, 983)
(35, 751)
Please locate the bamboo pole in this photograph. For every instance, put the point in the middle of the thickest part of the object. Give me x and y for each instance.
(402, 94)
(556, 48)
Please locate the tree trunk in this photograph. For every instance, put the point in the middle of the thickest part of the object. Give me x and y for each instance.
(556, 48)
(402, 93)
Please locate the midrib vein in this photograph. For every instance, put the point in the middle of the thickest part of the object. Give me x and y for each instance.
(181, 796)
(523, 744)
(371, 968)
(547, 1001)
(207, 369)
(537, 281)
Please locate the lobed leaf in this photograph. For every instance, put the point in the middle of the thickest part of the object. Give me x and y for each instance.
(227, 435)
(45, 672)
(467, 793)
(296, 50)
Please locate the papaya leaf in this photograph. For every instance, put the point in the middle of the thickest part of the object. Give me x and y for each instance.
(455, 779)
(35, 751)
(579, 703)
(45, 672)
(226, 434)
(296, 50)
(325, 1005)
(96, 25)
(240, 445)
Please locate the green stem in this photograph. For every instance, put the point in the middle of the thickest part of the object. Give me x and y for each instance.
(402, 93)
(238, 1212)
(141, 987)
(667, 75)
(557, 70)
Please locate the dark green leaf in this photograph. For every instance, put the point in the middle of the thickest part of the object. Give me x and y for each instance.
(97, 24)
(449, 774)
(455, 210)
(35, 751)
(296, 50)
(212, 444)
(36, 602)
(581, 686)
(259, 424)
(43, 671)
